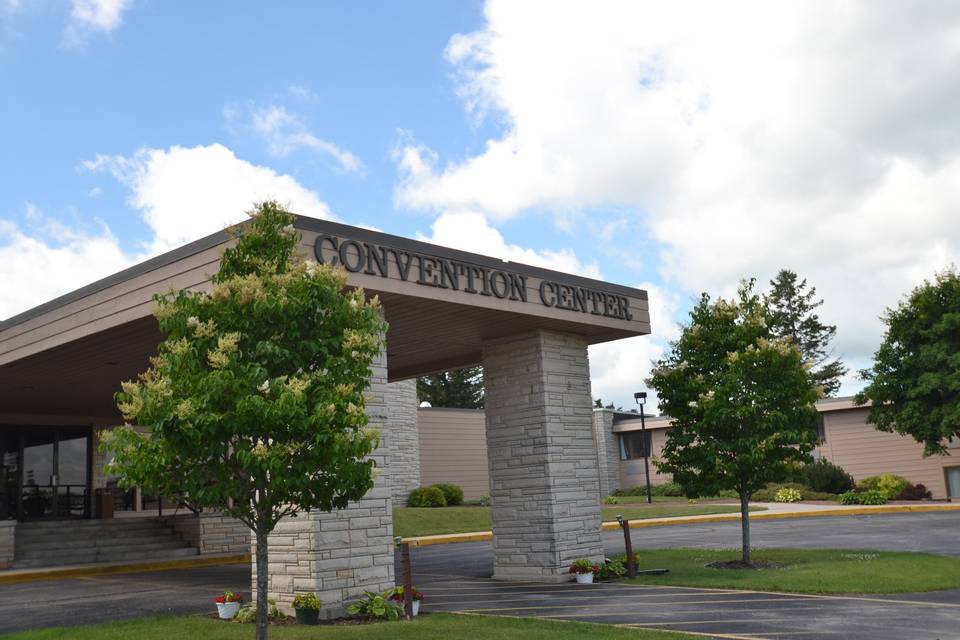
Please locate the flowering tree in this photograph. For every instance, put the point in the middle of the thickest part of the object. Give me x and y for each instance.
(254, 401)
(741, 401)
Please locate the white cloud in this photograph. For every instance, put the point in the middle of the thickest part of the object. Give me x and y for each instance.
(619, 368)
(187, 193)
(285, 133)
(806, 135)
(28, 260)
(470, 231)
(93, 16)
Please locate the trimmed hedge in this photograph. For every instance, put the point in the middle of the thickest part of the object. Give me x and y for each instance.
(452, 493)
(671, 489)
(826, 477)
(862, 497)
(427, 497)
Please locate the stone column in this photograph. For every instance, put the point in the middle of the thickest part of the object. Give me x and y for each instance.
(403, 469)
(543, 461)
(339, 555)
(608, 451)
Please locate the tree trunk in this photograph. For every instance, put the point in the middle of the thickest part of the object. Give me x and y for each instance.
(745, 524)
(262, 577)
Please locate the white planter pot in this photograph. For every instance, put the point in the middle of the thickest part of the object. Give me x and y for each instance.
(584, 578)
(416, 607)
(227, 610)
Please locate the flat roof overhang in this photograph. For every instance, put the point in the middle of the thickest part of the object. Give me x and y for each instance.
(68, 356)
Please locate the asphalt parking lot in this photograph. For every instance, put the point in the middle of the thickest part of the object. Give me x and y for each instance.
(457, 578)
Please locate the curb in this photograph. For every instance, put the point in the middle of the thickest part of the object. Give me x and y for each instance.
(479, 536)
(87, 571)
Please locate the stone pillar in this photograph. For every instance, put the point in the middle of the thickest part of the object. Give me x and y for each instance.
(403, 469)
(608, 451)
(339, 555)
(543, 461)
(8, 531)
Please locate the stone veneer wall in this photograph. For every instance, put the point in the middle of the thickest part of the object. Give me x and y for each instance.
(339, 555)
(8, 530)
(212, 532)
(543, 461)
(403, 470)
(608, 451)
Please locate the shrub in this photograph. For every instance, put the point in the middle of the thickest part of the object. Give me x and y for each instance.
(247, 614)
(826, 477)
(609, 500)
(308, 601)
(914, 492)
(427, 497)
(787, 494)
(584, 566)
(667, 489)
(452, 493)
(611, 570)
(887, 483)
(862, 497)
(770, 493)
(484, 501)
(376, 606)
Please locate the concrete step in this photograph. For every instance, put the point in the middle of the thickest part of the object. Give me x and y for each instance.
(55, 543)
(102, 549)
(159, 554)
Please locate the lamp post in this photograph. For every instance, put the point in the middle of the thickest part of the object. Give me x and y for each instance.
(641, 398)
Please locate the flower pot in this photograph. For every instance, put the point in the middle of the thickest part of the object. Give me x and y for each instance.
(416, 607)
(227, 610)
(585, 578)
(307, 616)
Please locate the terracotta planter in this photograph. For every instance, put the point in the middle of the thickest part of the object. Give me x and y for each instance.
(227, 610)
(585, 578)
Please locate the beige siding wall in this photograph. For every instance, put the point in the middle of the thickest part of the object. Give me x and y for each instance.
(632, 472)
(863, 451)
(453, 448)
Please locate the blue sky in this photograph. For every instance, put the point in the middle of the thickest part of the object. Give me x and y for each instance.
(625, 141)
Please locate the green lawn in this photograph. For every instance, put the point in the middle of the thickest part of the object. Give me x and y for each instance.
(410, 521)
(437, 626)
(806, 571)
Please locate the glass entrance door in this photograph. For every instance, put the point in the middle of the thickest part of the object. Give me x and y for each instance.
(54, 472)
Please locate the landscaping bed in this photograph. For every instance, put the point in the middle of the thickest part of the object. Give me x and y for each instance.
(432, 627)
(805, 571)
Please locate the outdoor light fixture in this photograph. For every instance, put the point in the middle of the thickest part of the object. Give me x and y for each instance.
(620, 519)
(641, 398)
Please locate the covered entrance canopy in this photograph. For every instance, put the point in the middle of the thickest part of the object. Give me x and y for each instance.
(61, 363)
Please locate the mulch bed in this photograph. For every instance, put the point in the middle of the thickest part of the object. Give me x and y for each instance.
(740, 564)
(288, 620)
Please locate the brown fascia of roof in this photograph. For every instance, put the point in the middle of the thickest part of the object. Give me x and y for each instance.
(631, 421)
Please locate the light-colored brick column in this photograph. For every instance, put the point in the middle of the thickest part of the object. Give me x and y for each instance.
(543, 461)
(403, 469)
(341, 554)
(608, 451)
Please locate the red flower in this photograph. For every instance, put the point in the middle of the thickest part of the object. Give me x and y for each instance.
(228, 596)
(397, 595)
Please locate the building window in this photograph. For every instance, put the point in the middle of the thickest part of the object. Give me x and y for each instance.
(820, 429)
(634, 445)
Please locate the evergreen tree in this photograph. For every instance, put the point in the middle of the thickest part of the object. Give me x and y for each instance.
(461, 389)
(792, 305)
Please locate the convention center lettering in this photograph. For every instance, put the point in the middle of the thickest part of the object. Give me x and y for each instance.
(444, 273)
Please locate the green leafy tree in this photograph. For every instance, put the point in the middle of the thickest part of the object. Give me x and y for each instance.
(793, 305)
(741, 401)
(254, 401)
(461, 389)
(913, 386)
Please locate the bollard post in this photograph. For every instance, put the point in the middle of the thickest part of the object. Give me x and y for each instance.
(407, 581)
(628, 544)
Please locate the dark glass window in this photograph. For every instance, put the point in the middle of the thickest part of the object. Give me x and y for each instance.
(820, 429)
(634, 444)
